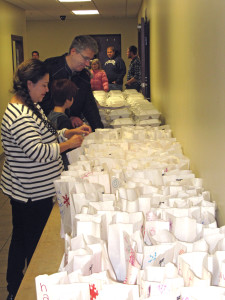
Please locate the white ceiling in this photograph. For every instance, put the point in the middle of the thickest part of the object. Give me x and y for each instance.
(53, 9)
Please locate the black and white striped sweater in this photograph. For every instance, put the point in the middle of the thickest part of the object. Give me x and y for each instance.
(32, 155)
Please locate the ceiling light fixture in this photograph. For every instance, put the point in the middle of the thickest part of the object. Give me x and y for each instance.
(74, 0)
(86, 12)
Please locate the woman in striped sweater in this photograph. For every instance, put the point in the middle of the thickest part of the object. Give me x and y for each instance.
(32, 162)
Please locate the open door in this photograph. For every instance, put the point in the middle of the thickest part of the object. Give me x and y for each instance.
(144, 53)
(17, 51)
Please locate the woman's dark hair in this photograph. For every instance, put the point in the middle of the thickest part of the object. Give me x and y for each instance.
(33, 70)
(62, 90)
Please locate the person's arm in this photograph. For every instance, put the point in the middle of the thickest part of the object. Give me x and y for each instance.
(76, 121)
(74, 142)
(29, 133)
(135, 73)
(130, 81)
(63, 121)
(82, 130)
(105, 82)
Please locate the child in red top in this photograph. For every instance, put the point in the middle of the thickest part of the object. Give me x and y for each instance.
(99, 80)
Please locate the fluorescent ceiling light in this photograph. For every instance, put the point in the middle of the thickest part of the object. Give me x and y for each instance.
(85, 12)
(74, 0)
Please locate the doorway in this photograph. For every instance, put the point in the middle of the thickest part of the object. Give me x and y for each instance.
(17, 51)
(144, 53)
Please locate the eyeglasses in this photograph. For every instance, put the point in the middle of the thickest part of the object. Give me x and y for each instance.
(87, 59)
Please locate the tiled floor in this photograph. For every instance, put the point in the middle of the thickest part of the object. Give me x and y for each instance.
(5, 237)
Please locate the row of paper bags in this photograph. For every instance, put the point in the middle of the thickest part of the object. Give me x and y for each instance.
(137, 223)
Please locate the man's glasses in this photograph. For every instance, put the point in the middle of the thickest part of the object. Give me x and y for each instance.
(87, 59)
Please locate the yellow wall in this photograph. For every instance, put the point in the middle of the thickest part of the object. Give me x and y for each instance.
(52, 38)
(187, 67)
(12, 21)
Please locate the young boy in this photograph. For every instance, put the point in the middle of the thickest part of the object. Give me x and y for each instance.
(63, 93)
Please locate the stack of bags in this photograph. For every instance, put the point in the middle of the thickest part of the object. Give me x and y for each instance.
(137, 222)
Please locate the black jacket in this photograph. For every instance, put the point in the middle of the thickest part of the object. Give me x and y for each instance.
(84, 103)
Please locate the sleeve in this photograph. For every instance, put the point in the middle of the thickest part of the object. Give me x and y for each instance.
(26, 134)
(91, 112)
(121, 70)
(137, 71)
(63, 122)
(85, 105)
(105, 82)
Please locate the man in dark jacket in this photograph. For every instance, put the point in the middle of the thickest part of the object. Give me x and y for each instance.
(72, 66)
(115, 69)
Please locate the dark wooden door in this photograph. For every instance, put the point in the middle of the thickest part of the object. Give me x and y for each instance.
(104, 41)
(144, 53)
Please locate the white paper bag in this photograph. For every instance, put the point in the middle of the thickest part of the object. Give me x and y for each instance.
(119, 247)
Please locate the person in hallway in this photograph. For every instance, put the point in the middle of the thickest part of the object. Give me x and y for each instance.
(35, 54)
(99, 80)
(115, 69)
(63, 93)
(32, 148)
(134, 71)
(72, 66)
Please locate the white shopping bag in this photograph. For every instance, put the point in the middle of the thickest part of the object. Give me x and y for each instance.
(82, 200)
(135, 218)
(119, 291)
(158, 255)
(49, 287)
(119, 246)
(64, 201)
(163, 236)
(73, 156)
(218, 275)
(183, 228)
(88, 224)
(87, 255)
(154, 227)
(199, 293)
(194, 269)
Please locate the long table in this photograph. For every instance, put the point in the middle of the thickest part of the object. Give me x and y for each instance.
(46, 258)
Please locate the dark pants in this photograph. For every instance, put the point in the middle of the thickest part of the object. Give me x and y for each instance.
(29, 220)
(134, 86)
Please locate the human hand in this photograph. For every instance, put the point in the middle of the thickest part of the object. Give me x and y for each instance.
(76, 121)
(75, 141)
(84, 129)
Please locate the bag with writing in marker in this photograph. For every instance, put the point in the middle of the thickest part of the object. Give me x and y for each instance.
(158, 255)
(64, 201)
(119, 246)
(160, 282)
(51, 287)
(193, 267)
(88, 255)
